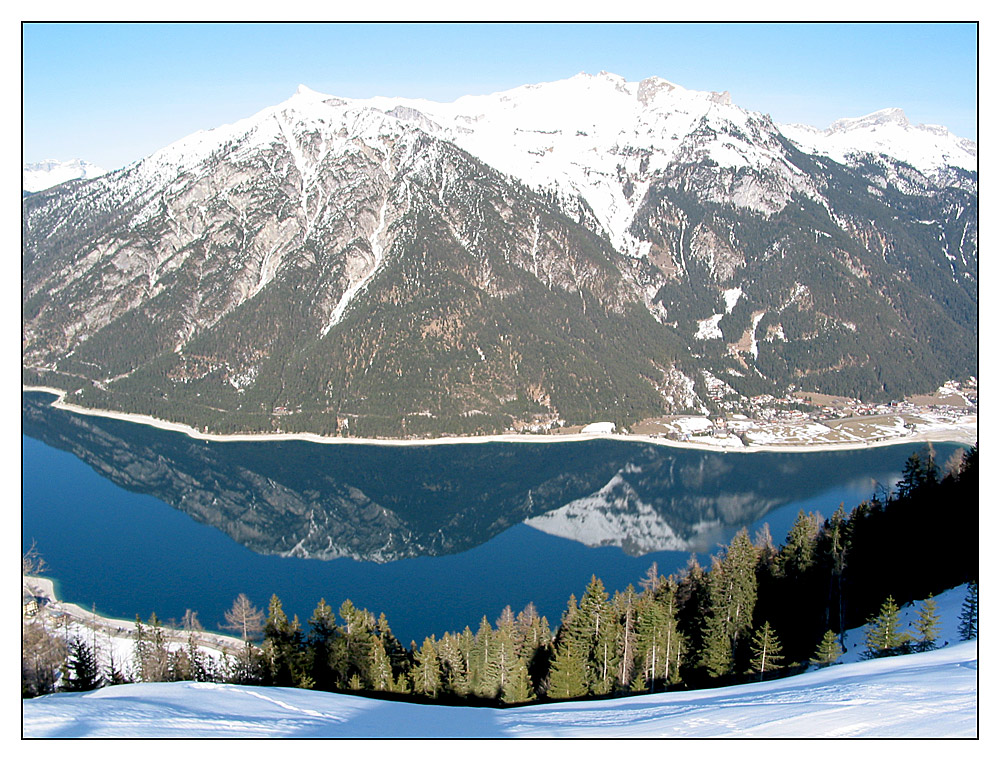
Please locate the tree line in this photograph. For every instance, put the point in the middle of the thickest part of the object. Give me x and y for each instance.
(757, 611)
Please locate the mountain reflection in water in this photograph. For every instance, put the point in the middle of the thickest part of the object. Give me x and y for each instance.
(384, 503)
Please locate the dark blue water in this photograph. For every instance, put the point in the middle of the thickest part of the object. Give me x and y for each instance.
(127, 553)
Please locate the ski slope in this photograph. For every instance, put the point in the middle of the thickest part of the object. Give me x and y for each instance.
(924, 695)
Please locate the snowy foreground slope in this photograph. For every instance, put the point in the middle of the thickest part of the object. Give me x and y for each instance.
(922, 695)
(932, 694)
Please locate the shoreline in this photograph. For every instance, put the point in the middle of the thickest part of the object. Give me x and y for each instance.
(952, 434)
(45, 587)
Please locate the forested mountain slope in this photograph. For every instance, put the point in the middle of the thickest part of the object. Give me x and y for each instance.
(578, 250)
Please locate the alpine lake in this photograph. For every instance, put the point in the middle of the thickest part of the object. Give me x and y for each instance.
(132, 519)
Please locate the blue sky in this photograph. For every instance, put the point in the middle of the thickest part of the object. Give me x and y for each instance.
(113, 93)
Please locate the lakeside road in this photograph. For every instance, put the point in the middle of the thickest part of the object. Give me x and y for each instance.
(965, 434)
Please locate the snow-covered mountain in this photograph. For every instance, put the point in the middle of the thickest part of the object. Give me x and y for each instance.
(46, 174)
(923, 695)
(553, 250)
(929, 148)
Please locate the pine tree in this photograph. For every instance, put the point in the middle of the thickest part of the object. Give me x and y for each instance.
(625, 608)
(659, 642)
(283, 648)
(199, 664)
(140, 650)
(507, 658)
(799, 552)
(352, 652)
(85, 672)
(717, 652)
(828, 650)
(320, 646)
(380, 670)
(595, 629)
(426, 673)
(483, 674)
(517, 686)
(968, 625)
(454, 676)
(568, 675)
(638, 683)
(765, 651)
(919, 470)
(882, 635)
(928, 626)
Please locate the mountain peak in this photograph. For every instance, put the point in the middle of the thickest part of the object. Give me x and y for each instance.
(306, 92)
(880, 118)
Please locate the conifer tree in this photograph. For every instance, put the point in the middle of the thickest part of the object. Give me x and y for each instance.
(283, 648)
(506, 659)
(379, 670)
(85, 671)
(140, 650)
(568, 675)
(320, 646)
(799, 552)
(835, 535)
(113, 673)
(517, 687)
(717, 651)
(638, 683)
(483, 675)
(882, 635)
(454, 676)
(624, 605)
(595, 630)
(198, 663)
(828, 650)
(733, 585)
(158, 666)
(968, 624)
(928, 626)
(659, 642)
(426, 673)
(765, 651)
(352, 651)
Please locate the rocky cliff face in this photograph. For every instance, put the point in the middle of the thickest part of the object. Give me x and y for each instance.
(403, 267)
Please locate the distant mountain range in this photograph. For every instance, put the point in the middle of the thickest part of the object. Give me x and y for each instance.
(46, 174)
(590, 249)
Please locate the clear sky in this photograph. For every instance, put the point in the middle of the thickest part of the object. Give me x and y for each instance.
(113, 93)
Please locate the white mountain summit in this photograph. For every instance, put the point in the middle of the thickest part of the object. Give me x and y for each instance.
(51, 172)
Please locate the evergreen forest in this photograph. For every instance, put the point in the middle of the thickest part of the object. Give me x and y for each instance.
(759, 611)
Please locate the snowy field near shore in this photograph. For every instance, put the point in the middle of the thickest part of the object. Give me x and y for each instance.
(924, 695)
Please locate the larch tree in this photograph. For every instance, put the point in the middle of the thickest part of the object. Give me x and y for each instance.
(244, 618)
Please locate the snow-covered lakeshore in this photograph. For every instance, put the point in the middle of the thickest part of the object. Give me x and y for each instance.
(923, 695)
(966, 432)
